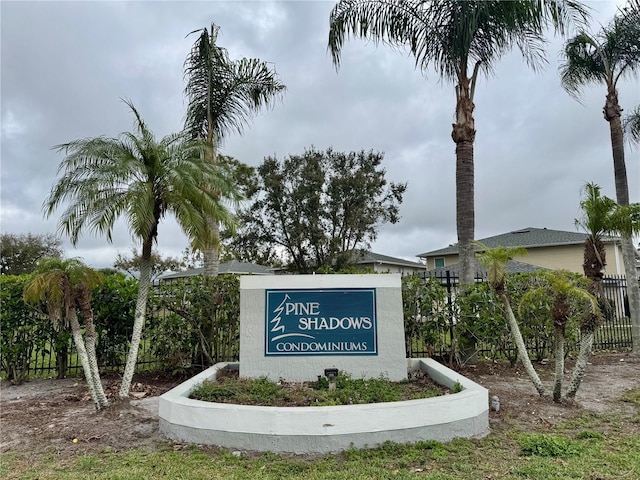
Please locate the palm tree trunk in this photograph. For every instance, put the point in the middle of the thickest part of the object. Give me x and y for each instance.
(523, 355)
(586, 344)
(465, 214)
(144, 284)
(84, 359)
(90, 340)
(559, 354)
(463, 135)
(62, 358)
(612, 113)
(211, 260)
(211, 255)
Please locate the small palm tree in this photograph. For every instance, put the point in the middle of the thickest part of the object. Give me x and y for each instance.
(62, 286)
(143, 180)
(223, 94)
(605, 58)
(601, 216)
(598, 217)
(562, 295)
(459, 39)
(495, 259)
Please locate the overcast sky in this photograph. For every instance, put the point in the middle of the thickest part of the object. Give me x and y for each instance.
(65, 66)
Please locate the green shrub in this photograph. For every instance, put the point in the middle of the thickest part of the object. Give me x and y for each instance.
(196, 322)
(25, 333)
(114, 305)
(481, 322)
(426, 312)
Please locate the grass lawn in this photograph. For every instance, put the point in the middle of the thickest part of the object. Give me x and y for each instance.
(590, 446)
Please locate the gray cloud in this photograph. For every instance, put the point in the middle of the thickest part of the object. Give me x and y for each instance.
(65, 66)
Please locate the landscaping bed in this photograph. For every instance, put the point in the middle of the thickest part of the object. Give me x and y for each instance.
(228, 388)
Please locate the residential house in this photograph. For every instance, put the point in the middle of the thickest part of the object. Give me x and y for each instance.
(233, 266)
(546, 248)
(384, 264)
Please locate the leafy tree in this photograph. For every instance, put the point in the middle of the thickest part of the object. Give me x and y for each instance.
(64, 287)
(222, 94)
(143, 180)
(317, 208)
(191, 258)
(495, 260)
(246, 249)
(20, 253)
(604, 58)
(562, 296)
(160, 264)
(459, 40)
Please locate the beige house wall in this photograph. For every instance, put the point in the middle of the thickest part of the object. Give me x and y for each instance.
(565, 257)
(448, 260)
(571, 257)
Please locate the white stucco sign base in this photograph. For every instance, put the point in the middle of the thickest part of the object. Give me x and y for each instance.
(303, 430)
(296, 326)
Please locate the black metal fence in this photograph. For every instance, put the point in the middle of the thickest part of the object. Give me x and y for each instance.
(614, 334)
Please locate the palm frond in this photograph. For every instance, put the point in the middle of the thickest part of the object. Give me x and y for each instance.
(596, 212)
(583, 63)
(612, 53)
(495, 260)
(631, 126)
(604, 216)
(140, 179)
(222, 93)
(449, 35)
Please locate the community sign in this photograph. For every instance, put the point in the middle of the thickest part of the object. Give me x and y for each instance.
(340, 321)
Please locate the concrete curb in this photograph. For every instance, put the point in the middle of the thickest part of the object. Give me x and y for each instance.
(304, 430)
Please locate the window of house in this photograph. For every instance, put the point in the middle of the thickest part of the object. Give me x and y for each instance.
(438, 262)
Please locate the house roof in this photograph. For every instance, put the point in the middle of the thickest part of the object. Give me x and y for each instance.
(233, 266)
(512, 266)
(529, 237)
(365, 257)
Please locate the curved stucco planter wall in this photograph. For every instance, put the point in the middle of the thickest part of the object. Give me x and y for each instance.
(326, 429)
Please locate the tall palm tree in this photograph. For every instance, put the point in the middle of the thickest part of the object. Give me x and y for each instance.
(143, 180)
(223, 94)
(459, 39)
(63, 286)
(604, 58)
(495, 260)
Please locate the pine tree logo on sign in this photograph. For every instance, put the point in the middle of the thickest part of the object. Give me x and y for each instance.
(321, 322)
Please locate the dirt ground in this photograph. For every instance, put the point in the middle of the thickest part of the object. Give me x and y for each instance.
(45, 416)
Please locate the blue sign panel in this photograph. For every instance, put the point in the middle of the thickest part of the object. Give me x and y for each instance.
(339, 321)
